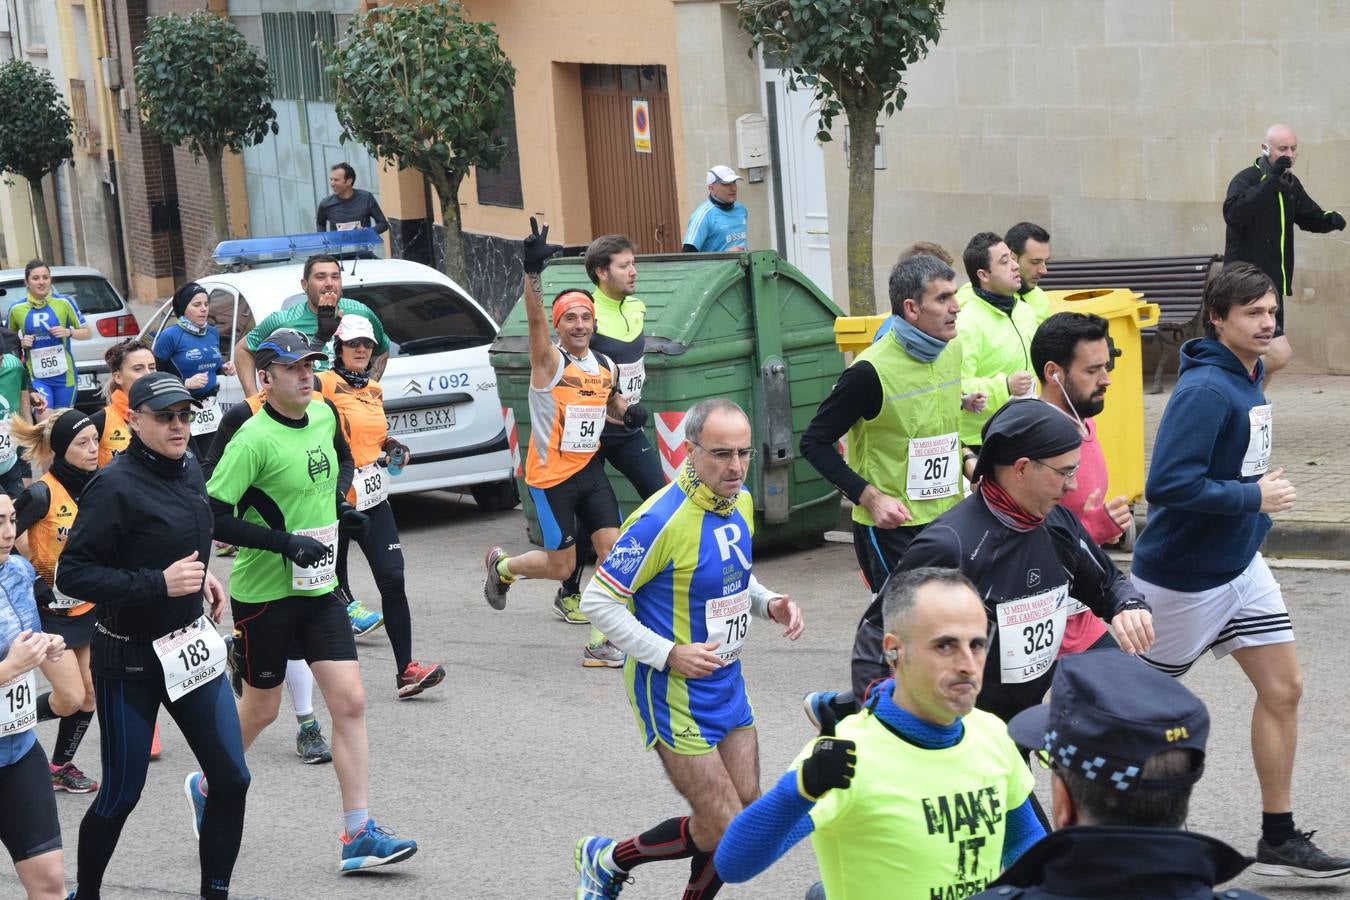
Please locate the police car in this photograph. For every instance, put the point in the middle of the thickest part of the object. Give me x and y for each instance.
(440, 392)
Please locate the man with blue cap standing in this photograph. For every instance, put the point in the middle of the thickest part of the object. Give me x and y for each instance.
(1125, 744)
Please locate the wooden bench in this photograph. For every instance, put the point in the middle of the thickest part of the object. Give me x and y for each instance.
(1175, 283)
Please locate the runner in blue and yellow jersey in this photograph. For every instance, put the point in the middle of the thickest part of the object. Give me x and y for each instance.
(45, 323)
(676, 593)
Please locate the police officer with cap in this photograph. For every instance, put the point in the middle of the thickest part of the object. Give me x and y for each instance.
(1125, 745)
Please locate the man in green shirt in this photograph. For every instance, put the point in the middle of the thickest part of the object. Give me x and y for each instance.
(317, 317)
(14, 400)
(279, 493)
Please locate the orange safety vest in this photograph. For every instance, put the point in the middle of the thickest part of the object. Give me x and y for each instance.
(576, 391)
(116, 436)
(47, 537)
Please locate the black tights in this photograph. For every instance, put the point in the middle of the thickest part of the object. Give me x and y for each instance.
(384, 553)
(126, 721)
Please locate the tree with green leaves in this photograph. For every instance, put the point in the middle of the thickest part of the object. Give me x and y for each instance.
(200, 84)
(34, 135)
(853, 54)
(425, 87)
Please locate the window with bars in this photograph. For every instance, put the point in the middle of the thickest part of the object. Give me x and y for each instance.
(294, 44)
(501, 186)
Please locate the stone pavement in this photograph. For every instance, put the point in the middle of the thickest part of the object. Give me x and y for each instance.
(1312, 443)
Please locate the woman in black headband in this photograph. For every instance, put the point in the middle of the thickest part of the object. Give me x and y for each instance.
(66, 445)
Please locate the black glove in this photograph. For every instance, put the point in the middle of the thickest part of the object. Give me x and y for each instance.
(327, 326)
(42, 593)
(830, 764)
(351, 521)
(304, 551)
(535, 249)
(1336, 221)
(1284, 163)
(635, 417)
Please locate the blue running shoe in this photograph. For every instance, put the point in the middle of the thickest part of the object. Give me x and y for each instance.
(363, 619)
(594, 880)
(195, 788)
(374, 846)
(817, 706)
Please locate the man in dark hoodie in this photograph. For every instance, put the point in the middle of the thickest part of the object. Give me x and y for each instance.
(1124, 745)
(1210, 490)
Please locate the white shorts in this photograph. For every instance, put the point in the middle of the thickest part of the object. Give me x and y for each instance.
(1248, 611)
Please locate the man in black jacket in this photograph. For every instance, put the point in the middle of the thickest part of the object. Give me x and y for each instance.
(1125, 744)
(1264, 203)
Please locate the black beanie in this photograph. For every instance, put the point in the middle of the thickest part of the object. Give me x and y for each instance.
(1030, 428)
(183, 296)
(68, 424)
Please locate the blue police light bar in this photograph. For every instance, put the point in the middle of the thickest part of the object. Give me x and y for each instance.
(288, 247)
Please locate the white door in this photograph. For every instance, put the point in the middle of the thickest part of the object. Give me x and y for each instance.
(805, 215)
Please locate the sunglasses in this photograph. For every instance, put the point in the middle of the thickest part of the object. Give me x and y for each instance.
(166, 417)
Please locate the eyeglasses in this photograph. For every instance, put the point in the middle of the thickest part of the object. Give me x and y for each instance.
(727, 454)
(167, 416)
(1068, 473)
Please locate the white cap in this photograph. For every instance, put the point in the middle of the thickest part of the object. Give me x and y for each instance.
(353, 326)
(722, 175)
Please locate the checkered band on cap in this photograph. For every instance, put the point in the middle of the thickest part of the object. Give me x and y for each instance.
(1090, 765)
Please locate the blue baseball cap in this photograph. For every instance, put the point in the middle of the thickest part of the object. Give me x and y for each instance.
(1109, 714)
(285, 346)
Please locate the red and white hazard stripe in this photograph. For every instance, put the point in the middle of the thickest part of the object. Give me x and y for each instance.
(512, 437)
(670, 442)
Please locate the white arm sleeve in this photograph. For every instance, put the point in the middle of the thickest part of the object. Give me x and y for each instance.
(623, 629)
(759, 599)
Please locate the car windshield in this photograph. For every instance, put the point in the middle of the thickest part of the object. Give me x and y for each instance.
(93, 295)
(421, 318)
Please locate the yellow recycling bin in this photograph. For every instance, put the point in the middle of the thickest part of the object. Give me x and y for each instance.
(1120, 427)
(853, 334)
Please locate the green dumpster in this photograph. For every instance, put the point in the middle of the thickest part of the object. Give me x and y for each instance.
(746, 326)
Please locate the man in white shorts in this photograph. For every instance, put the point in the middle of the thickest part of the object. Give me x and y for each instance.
(1210, 491)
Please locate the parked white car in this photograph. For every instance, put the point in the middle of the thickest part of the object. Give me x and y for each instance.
(440, 392)
(104, 310)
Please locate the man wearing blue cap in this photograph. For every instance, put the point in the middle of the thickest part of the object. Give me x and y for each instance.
(1125, 744)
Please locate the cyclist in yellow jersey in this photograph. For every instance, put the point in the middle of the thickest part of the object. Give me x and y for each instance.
(66, 445)
(921, 793)
(572, 389)
(127, 361)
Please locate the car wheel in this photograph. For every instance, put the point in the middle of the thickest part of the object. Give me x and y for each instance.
(498, 496)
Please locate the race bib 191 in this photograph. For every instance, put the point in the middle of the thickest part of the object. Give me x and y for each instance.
(728, 621)
(1030, 630)
(1261, 423)
(190, 657)
(934, 467)
(18, 705)
(581, 428)
(323, 574)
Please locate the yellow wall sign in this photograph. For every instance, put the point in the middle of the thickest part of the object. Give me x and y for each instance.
(642, 126)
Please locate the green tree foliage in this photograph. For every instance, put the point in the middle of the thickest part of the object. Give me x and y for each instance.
(423, 86)
(201, 85)
(34, 134)
(853, 54)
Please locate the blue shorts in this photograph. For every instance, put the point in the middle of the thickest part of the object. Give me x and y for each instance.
(59, 394)
(690, 716)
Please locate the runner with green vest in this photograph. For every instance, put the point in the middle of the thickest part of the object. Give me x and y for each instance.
(279, 493)
(921, 795)
(1030, 245)
(996, 331)
(316, 318)
(900, 403)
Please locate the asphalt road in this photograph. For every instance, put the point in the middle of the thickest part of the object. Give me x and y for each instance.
(521, 750)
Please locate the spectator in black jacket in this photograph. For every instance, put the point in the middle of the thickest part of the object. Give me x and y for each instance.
(137, 551)
(1264, 203)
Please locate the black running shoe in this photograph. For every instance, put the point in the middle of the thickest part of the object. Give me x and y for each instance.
(1299, 857)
